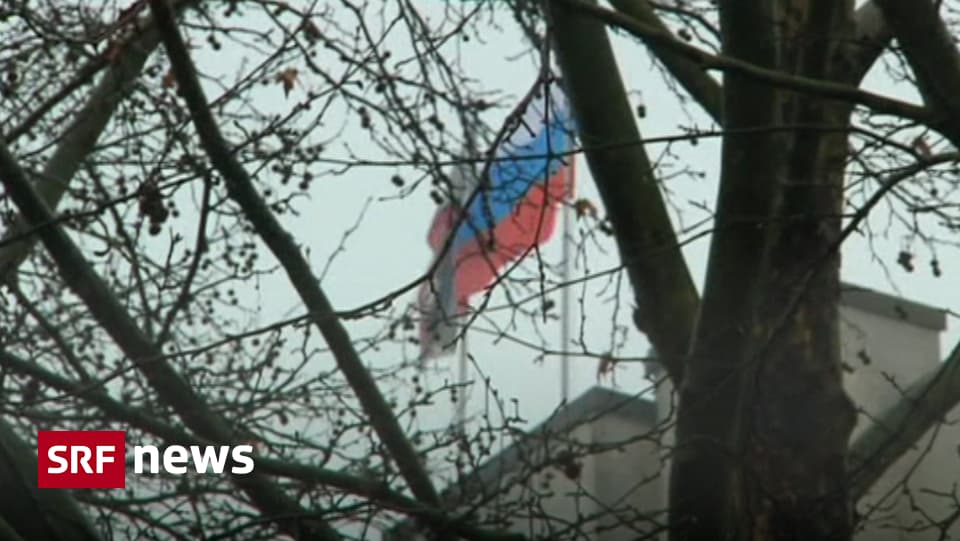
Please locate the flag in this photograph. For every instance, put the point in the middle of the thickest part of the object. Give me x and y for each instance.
(530, 176)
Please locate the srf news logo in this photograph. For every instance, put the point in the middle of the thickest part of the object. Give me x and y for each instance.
(97, 459)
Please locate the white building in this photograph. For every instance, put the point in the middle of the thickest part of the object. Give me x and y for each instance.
(606, 476)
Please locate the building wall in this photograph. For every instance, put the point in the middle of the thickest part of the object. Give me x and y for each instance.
(615, 497)
(919, 489)
(629, 480)
(547, 504)
(882, 355)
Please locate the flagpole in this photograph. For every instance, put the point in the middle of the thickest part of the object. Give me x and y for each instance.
(460, 421)
(565, 300)
(472, 150)
(461, 415)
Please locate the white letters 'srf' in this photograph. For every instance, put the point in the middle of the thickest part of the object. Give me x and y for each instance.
(79, 458)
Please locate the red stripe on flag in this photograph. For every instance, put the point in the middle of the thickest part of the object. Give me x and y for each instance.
(443, 222)
(532, 222)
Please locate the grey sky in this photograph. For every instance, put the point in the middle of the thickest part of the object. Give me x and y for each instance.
(388, 248)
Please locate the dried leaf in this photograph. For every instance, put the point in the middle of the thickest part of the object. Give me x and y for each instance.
(905, 260)
(584, 207)
(169, 79)
(310, 30)
(288, 78)
(566, 461)
(606, 367)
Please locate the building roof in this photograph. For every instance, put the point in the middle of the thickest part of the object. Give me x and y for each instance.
(893, 307)
(596, 402)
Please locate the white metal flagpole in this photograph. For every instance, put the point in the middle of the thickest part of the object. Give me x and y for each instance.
(472, 150)
(461, 419)
(565, 300)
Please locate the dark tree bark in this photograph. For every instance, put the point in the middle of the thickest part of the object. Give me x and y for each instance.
(28, 513)
(763, 423)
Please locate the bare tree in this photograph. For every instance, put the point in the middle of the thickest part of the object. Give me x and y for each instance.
(763, 418)
(147, 195)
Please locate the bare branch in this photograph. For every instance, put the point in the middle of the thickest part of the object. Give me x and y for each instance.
(930, 50)
(666, 298)
(171, 387)
(82, 135)
(7, 532)
(691, 75)
(924, 404)
(373, 489)
(826, 89)
(30, 513)
(242, 191)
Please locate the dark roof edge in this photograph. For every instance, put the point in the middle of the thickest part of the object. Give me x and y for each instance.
(596, 402)
(893, 307)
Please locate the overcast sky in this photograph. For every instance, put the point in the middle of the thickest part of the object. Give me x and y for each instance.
(388, 248)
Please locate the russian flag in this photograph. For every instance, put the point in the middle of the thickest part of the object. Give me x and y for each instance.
(514, 211)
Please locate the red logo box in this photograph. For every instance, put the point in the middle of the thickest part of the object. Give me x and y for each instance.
(81, 459)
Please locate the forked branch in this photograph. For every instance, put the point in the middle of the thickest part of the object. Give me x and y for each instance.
(242, 191)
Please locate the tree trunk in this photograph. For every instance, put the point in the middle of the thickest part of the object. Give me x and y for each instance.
(763, 421)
